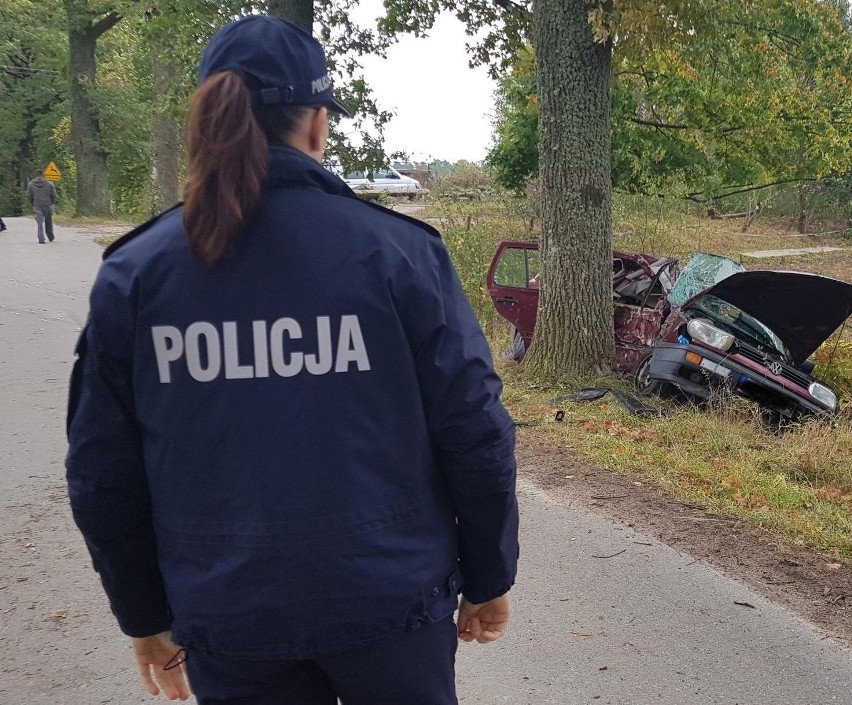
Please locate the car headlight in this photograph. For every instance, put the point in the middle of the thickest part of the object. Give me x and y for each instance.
(701, 329)
(823, 395)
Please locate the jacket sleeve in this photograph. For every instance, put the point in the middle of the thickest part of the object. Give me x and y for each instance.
(472, 434)
(108, 489)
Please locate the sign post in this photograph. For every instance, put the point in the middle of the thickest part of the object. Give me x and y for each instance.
(52, 173)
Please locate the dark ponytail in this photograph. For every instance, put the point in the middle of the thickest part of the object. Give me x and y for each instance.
(228, 165)
(227, 141)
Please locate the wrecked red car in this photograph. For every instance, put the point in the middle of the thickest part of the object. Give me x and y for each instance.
(753, 332)
(711, 324)
(640, 287)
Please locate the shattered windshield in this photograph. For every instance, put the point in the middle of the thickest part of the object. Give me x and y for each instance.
(701, 272)
(737, 322)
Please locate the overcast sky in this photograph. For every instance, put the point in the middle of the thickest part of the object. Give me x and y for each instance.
(443, 108)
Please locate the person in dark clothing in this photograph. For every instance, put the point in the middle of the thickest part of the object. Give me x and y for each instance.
(287, 451)
(42, 197)
(2, 225)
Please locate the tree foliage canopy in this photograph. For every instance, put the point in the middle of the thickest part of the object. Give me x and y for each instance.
(758, 95)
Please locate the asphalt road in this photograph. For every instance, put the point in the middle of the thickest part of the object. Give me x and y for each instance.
(603, 615)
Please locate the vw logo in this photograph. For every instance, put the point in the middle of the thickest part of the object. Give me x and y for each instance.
(775, 368)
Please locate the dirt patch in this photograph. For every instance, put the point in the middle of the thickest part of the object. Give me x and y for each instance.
(813, 585)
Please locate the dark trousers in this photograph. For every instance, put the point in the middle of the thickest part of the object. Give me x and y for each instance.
(409, 668)
(44, 222)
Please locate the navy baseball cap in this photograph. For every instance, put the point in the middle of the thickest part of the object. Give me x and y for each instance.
(280, 62)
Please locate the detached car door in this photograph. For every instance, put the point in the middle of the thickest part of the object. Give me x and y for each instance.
(513, 285)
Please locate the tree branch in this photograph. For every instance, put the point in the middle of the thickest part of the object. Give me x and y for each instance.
(666, 125)
(105, 23)
(694, 196)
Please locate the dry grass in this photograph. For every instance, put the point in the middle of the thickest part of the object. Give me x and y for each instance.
(798, 482)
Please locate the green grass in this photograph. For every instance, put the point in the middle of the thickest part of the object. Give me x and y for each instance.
(82, 221)
(797, 483)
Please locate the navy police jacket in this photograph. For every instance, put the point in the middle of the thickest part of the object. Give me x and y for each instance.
(300, 449)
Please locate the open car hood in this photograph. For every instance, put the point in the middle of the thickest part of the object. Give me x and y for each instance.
(803, 310)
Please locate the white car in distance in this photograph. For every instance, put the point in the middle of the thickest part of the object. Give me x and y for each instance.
(387, 179)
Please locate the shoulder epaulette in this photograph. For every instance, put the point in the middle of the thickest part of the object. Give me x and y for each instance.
(414, 221)
(138, 230)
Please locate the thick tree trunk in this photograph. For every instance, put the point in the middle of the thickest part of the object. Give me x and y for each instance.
(89, 153)
(574, 330)
(300, 12)
(165, 140)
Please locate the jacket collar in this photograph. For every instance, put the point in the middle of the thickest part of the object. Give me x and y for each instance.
(290, 168)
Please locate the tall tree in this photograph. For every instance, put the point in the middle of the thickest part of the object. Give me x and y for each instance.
(86, 25)
(573, 329)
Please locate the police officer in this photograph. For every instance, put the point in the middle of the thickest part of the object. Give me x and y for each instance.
(288, 455)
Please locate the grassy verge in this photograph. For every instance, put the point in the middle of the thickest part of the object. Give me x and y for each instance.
(80, 221)
(797, 483)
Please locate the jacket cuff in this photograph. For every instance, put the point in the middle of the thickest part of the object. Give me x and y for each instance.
(478, 595)
(143, 620)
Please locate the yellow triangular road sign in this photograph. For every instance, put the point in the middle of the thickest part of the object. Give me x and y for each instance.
(52, 173)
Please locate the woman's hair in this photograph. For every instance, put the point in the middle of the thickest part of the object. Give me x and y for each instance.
(227, 141)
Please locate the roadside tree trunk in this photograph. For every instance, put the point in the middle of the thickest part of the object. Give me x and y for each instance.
(165, 140)
(300, 12)
(574, 329)
(89, 152)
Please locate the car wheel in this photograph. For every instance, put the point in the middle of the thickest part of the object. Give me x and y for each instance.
(642, 379)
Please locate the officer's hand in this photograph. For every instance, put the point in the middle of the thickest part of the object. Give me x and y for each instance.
(152, 654)
(484, 622)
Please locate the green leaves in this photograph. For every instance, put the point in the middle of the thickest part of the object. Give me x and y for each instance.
(708, 101)
(34, 89)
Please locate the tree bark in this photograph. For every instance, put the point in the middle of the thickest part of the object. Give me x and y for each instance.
(165, 140)
(574, 329)
(300, 12)
(89, 153)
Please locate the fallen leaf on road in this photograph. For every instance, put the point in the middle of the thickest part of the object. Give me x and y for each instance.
(57, 616)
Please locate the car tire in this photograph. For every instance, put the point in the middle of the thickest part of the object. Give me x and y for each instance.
(642, 382)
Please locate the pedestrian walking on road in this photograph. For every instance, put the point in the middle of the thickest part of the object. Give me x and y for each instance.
(42, 197)
(288, 454)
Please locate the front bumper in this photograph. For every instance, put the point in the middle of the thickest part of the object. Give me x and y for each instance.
(670, 364)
